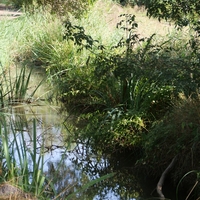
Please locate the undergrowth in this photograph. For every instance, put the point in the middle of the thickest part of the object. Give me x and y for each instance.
(126, 89)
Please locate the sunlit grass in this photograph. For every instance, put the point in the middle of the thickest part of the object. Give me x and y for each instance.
(22, 165)
(100, 23)
(38, 37)
(19, 35)
(14, 88)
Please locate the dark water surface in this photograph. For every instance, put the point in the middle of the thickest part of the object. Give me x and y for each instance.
(72, 166)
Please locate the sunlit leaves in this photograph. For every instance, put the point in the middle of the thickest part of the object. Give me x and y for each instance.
(182, 12)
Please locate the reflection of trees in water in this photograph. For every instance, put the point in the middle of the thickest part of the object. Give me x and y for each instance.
(48, 124)
(86, 164)
(19, 119)
(128, 183)
(78, 167)
(62, 176)
(123, 185)
(67, 178)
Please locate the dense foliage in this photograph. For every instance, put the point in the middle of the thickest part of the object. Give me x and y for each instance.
(130, 98)
(123, 91)
(183, 12)
(137, 93)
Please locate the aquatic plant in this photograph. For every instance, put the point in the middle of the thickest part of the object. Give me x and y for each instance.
(21, 165)
(14, 88)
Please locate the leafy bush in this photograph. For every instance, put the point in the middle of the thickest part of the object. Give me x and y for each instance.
(120, 103)
(135, 79)
(133, 86)
(183, 12)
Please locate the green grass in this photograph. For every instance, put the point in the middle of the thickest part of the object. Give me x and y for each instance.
(20, 38)
(14, 88)
(22, 166)
(19, 35)
(4, 2)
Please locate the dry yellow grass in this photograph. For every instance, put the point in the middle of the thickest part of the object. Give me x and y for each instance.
(146, 26)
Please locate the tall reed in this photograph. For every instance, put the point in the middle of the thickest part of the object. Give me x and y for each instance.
(22, 165)
(14, 88)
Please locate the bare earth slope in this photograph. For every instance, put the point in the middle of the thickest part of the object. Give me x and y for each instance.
(8, 12)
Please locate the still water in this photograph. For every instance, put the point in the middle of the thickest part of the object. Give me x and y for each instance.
(72, 165)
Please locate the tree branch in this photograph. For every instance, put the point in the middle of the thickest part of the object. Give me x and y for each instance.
(162, 178)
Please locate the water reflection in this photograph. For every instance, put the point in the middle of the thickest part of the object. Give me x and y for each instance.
(49, 126)
(121, 186)
(75, 169)
(72, 168)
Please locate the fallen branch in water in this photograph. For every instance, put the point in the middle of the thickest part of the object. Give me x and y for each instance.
(162, 178)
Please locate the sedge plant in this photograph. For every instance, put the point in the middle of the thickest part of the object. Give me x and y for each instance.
(14, 89)
(22, 165)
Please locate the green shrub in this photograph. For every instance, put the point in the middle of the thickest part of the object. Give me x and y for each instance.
(126, 98)
(135, 85)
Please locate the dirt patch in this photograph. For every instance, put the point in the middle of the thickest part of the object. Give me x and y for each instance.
(8, 12)
(9, 192)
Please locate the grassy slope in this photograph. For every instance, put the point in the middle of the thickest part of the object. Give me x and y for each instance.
(33, 36)
(102, 19)
(100, 23)
(109, 12)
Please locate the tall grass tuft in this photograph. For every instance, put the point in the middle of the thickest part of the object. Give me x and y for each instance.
(14, 88)
(22, 165)
(19, 35)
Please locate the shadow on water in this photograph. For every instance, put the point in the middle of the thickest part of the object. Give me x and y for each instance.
(74, 168)
(71, 168)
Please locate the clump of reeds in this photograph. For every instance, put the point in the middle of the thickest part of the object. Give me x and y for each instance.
(14, 88)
